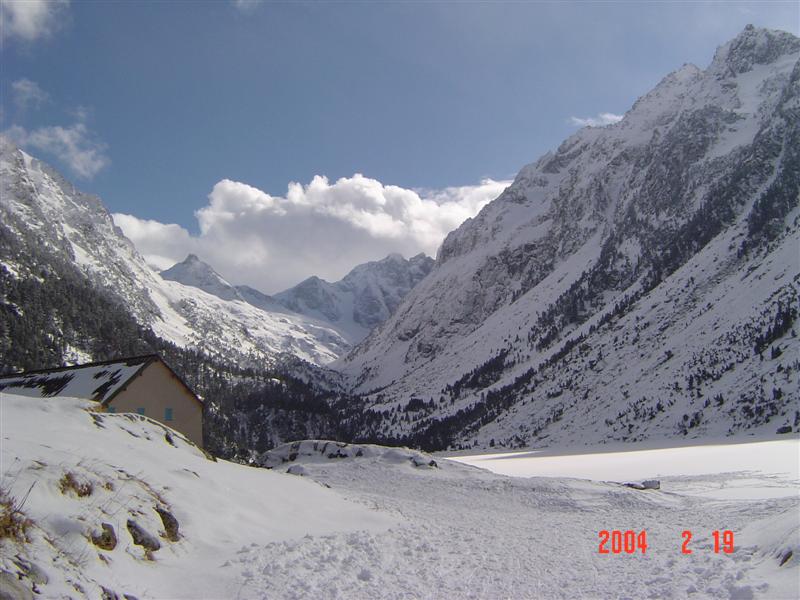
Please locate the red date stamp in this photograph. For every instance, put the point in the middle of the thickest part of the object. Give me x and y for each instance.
(630, 542)
(622, 541)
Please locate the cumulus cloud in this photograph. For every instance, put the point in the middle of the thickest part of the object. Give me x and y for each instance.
(27, 94)
(599, 121)
(74, 145)
(157, 242)
(31, 20)
(322, 228)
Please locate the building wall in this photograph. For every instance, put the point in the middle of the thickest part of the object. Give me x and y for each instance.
(156, 389)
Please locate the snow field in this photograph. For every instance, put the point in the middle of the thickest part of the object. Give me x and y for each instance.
(469, 533)
(370, 522)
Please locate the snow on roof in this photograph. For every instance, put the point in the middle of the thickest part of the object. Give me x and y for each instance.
(99, 381)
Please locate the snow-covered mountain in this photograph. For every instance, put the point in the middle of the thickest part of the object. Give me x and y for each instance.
(44, 214)
(640, 281)
(363, 299)
(196, 273)
(353, 306)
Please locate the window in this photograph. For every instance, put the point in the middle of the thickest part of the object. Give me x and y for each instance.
(140, 410)
(168, 414)
(111, 409)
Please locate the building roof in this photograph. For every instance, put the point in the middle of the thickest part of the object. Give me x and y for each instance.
(99, 381)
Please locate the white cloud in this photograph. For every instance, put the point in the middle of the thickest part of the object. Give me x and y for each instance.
(28, 94)
(157, 242)
(30, 20)
(322, 228)
(73, 145)
(599, 121)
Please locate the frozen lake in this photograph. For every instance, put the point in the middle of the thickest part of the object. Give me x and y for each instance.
(752, 469)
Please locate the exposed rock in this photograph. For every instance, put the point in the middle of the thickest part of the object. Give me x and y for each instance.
(142, 538)
(316, 450)
(31, 570)
(297, 470)
(107, 539)
(647, 484)
(170, 524)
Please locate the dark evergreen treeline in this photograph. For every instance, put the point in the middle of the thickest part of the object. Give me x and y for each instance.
(766, 220)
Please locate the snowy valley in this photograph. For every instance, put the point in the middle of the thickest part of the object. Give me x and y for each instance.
(154, 517)
(611, 345)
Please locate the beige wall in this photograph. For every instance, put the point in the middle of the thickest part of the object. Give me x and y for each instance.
(155, 389)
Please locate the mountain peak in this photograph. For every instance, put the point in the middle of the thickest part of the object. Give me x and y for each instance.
(192, 262)
(196, 273)
(754, 46)
(363, 298)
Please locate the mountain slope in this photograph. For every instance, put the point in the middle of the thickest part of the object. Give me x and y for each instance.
(625, 286)
(120, 504)
(43, 214)
(364, 298)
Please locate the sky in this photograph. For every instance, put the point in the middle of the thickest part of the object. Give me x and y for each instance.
(278, 140)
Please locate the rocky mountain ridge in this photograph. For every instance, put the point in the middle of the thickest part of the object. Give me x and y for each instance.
(363, 298)
(625, 286)
(353, 306)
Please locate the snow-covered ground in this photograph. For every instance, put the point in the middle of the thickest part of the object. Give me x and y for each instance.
(385, 523)
(132, 469)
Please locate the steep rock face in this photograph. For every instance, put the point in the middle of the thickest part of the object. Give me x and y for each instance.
(44, 215)
(39, 205)
(364, 298)
(629, 243)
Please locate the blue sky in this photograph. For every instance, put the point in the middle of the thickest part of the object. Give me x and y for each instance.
(157, 102)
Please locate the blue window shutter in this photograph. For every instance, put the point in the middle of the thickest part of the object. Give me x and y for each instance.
(111, 409)
(140, 411)
(168, 414)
